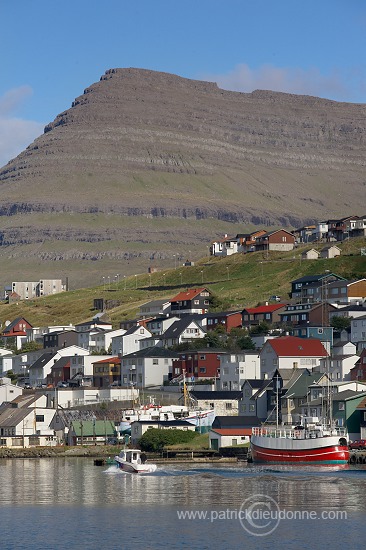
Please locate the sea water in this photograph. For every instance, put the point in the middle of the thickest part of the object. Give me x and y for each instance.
(69, 503)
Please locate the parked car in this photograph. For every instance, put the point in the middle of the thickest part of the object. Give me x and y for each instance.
(274, 299)
(358, 444)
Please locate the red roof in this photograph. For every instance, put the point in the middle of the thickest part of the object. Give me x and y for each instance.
(264, 309)
(233, 431)
(291, 346)
(115, 360)
(187, 294)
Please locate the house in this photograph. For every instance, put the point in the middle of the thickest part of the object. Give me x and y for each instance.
(304, 314)
(290, 352)
(147, 367)
(304, 234)
(60, 339)
(247, 241)
(222, 402)
(297, 394)
(329, 252)
(138, 428)
(359, 229)
(228, 320)
(358, 372)
(15, 332)
(63, 418)
(340, 362)
(235, 368)
(190, 301)
(102, 340)
(84, 365)
(324, 334)
(247, 406)
(224, 247)
(26, 290)
(93, 324)
(346, 292)
(155, 308)
(184, 330)
(344, 407)
(129, 342)
(8, 391)
(313, 288)
(228, 437)
(159, 325)
(39, 370)
(25, 422)
(60, 372)
(106, 372)
(311, 254)
(75, 397)
(90, 432)
(197, 364)
(268, 313)
(280, 239)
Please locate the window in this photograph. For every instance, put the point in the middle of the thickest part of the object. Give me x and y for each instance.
(247, 393)
(251, 408)
(203, 369)
(39, 417)
(228, 406)
(155, 361)
(341, 406)
(244, 408)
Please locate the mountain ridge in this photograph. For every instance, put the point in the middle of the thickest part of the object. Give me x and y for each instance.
(157, 159)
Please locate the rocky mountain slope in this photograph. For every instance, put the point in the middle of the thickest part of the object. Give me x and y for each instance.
(146, 167)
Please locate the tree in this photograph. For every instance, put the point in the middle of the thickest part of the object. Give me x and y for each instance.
(340, 323)
(154, 440)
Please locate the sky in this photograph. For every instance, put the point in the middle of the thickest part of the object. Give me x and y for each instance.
(51, 50)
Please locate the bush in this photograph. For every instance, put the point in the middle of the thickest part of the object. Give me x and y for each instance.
(154, 440)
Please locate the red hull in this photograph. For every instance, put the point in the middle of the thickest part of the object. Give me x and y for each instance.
(333, 454)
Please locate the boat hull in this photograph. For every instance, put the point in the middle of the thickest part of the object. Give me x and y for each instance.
(135, 468)
(325, 450)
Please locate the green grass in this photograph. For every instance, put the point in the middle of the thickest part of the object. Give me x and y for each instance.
(238, 281)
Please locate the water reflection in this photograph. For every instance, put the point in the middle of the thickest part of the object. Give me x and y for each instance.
(76, 481)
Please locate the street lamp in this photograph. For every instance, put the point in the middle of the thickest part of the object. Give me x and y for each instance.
(109, 281)
(135, 281)
(103, 283)
(180, 278)
(164, 278)
(124, 277)
(175, 261)
(202, 276)
(228, 273)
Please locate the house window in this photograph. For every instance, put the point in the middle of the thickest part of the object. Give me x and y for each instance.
(203, 369)
(251, 408)
(155, 361)
(247, 393)
(202, 357)
(39, 417)
(228, 406)
(341, 406)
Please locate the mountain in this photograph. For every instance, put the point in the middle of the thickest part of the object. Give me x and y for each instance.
(146, 168)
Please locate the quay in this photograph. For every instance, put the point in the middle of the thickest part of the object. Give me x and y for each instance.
(357, 457)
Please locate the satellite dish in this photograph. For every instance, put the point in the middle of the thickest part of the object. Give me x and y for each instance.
(7, 323)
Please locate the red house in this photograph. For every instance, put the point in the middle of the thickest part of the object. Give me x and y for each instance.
(228, 320)
(358, 372)
(197, 364)
(16, 332)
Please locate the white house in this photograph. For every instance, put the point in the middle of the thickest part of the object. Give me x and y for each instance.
(236, 368)
(184, 330)
(290, 352)
(228, 437)
(342, 359)
(329, 252)
(358, 332)
(311, 254)
(83, 364)
(159, 325)
(39, 370)
(68, 398)
(8, 391)
(26, 422)
(129, 341)
(147, 367)
(224, 403)
(103, 339)
(155, 308)
(224, 247)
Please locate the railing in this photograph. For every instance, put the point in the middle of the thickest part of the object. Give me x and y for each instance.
(291, 433)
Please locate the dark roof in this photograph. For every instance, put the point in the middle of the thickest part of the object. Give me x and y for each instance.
(216, 395)
(235, 421)
(222, 313)
(179, 326)
(154, 351)
(351, 307)
(255, 383)
(314, 278)
(43, 360)
(61, 363)
(165, 422)
(13, 323)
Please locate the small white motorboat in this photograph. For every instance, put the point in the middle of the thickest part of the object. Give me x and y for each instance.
(133, 461)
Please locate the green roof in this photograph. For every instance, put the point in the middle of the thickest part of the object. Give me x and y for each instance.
(91, 428)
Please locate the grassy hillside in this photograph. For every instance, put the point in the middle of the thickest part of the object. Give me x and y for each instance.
(238, 281)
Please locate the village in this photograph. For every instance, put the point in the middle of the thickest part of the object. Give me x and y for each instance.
(72, 386)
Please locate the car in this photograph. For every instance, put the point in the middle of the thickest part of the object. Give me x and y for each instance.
(274, 299)
(358, 444)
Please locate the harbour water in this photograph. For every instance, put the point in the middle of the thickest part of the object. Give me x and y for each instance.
(71, 503)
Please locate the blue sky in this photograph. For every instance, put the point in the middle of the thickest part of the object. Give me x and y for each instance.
(51, 50)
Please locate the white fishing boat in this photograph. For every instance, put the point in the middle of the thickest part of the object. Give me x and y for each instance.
(133, 461)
